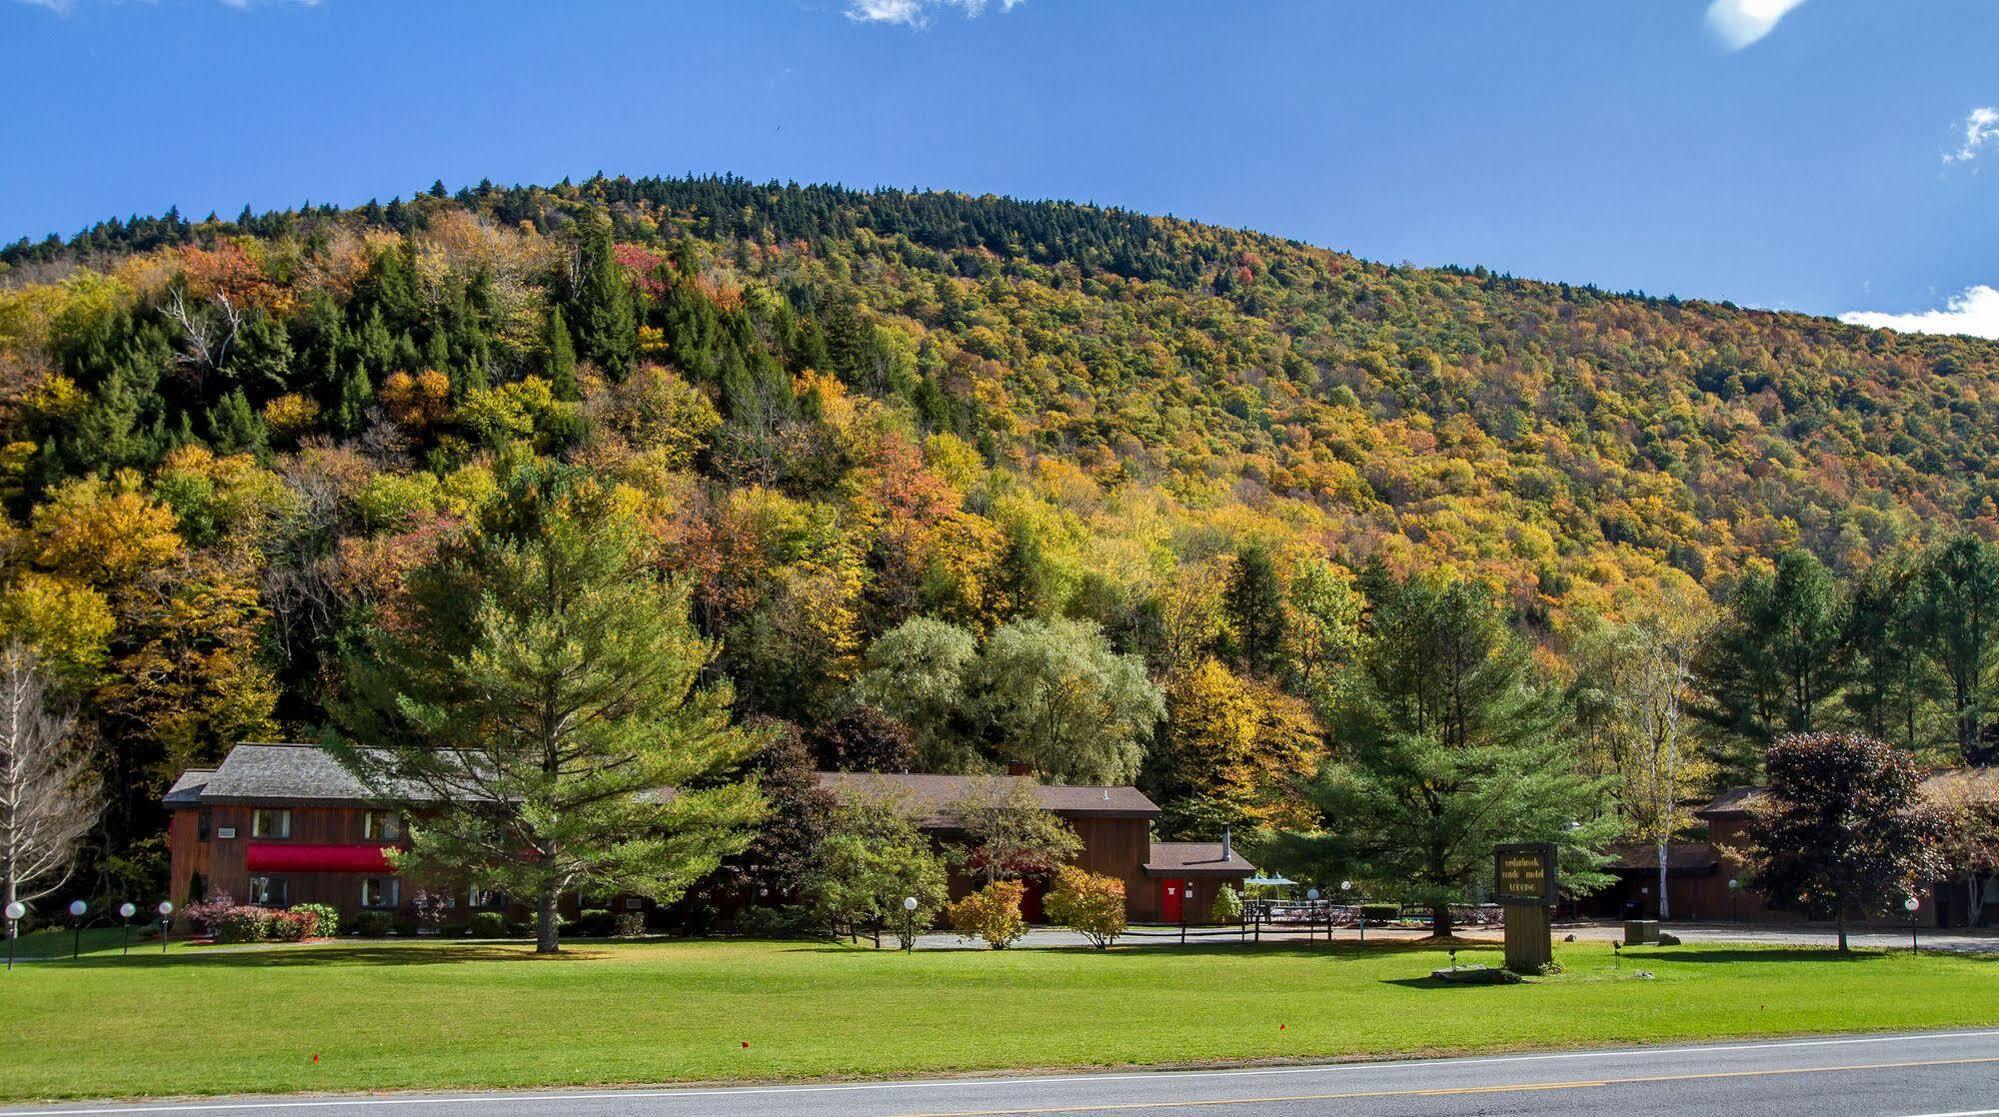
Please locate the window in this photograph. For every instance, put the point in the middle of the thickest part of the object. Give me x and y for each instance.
(270, 824)
(379, 892)
(270, 892)
(488, 898)
(382, 826)
(204, 822)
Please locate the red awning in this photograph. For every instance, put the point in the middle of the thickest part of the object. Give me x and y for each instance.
(308, 857)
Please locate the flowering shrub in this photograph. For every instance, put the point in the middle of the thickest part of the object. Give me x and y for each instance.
(326, 920)
(992, 913)
(204, 915)
(430, 907)
(1090, 904)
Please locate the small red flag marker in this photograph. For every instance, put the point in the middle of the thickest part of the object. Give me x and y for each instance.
(746, 1043)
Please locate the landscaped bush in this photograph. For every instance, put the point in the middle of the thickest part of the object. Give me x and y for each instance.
(1380, 913)
(992, 913)
(1227, 907)
(374, 924)
(487, 925)
(792, 921)
(242, 923)
(629, 924)
(204, 915)
(293, 925)
(594, 923)
(1087, 903)
(326, 920)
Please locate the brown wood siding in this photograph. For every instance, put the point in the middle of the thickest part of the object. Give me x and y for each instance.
(1118, 847)
(221, 861)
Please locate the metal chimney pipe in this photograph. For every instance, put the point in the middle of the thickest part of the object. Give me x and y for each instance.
(1228, 847)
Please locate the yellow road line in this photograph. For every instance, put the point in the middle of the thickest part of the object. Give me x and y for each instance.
(1453, 1091)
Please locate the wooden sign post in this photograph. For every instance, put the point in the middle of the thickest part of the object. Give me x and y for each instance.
(1525, 879)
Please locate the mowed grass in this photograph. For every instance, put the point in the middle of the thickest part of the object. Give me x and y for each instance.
(199, 1020)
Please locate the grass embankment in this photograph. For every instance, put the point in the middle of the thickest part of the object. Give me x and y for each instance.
(199, 1020)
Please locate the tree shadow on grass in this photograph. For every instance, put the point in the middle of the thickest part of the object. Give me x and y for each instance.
(343, 954)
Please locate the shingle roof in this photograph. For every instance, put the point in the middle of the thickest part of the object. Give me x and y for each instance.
(1734, 801)
(1681, 857)
(186, 791)
(1195, 859)
(931, 793)
(1978, 784)
(258, 772)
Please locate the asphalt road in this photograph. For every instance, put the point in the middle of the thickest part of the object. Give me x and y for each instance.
(1948, 1074)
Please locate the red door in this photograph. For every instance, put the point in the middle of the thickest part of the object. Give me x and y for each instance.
(1169, 901)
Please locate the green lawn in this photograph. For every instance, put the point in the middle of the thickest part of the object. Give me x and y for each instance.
(199, 1020)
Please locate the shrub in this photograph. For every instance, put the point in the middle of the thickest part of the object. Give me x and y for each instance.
(242, 923)
(374, 924)
(793, 921)
(487, 925)
(205, 915)
(326, 920)
(1227, 907)
(594, 923)
(992, 913)
(1090, 904)
(293, 925)
(629, 924)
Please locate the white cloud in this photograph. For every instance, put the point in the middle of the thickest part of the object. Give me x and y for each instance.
(1738, 23)
(915, 13)
(1981, 127)
(1974, 312)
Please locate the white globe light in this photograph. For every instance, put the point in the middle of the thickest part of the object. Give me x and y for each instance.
(1311, 893)
(128, 909)
(77, 908)
(16, 910)
(165, 908)
(1346, 885)
(1911, 904)
(909, 903)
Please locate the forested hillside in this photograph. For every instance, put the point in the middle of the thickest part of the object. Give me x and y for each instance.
(932, 452)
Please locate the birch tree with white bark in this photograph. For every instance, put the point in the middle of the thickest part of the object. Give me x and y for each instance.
(49, 795)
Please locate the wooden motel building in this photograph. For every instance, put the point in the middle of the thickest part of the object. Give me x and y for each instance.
(1699, 872)
(284, 824)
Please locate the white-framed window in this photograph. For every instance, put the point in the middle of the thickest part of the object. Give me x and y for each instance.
(488, 898)
(380, 892)
(266, 822)
(382, 826)
(270, 892)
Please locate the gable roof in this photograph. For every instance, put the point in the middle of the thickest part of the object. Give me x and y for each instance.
(932, 793)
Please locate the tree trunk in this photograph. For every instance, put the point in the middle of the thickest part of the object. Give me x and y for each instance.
(1440, 920)
(1665, 907)
(547, 930)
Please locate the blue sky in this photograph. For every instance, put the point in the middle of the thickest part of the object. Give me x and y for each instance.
(1828, 156)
